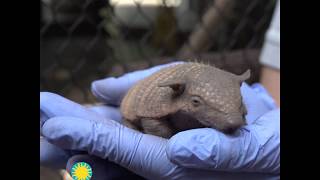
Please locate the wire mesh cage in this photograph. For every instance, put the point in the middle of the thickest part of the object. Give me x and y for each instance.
(85, 40)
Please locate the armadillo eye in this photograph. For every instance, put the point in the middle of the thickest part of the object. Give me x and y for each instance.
(195, 101)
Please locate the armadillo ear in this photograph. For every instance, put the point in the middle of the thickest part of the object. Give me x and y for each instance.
(178, 86)
(246, 75)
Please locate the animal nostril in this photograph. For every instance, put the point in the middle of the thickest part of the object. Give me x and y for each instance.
(230, 130)
(232, 127)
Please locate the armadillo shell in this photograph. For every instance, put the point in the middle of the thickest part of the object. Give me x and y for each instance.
(147, 99)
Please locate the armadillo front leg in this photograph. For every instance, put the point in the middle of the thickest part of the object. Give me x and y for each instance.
(157, 127)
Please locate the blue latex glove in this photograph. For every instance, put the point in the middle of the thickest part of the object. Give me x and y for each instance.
(200, 153)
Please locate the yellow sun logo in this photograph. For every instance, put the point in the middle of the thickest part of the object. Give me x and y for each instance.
(81, 171)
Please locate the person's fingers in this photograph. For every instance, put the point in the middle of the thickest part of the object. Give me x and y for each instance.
(267, 130)
(112, 90)
(69, 132)
(102, 169)
(253, 148)
(254, 104)
(108, 112)
(141, 153)
(53, 105)
(52, 156)
(265, 95)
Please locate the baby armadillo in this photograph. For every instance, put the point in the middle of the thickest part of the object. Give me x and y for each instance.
(185, 96)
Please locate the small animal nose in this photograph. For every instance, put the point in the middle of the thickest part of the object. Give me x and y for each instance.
(234, 124)
(230, 130)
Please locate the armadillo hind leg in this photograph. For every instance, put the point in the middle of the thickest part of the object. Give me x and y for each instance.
(129, 124)
(157, 127)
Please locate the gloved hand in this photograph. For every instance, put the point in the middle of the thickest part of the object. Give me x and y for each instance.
(254, 152)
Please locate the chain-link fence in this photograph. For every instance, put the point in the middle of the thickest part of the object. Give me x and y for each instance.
(85, 40)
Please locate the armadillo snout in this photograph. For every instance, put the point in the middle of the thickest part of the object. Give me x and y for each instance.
(230, 130)
(234, 123)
